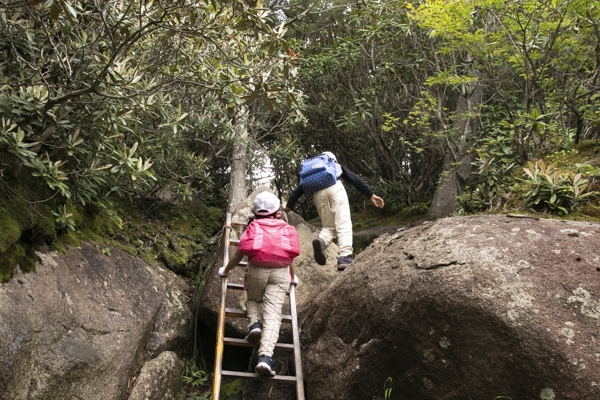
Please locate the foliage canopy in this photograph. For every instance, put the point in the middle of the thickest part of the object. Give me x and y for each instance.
(139, 98)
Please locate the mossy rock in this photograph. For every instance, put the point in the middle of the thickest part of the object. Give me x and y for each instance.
(10, 232)
(19, 256)
(21, 212)
(22, 224)
(105, 222)
(177, 263)
(64, 240)
(77, 215)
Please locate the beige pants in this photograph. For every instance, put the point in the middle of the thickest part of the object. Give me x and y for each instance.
(266, 290)
(334, 209)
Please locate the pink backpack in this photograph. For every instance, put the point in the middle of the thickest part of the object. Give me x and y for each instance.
(270, 242)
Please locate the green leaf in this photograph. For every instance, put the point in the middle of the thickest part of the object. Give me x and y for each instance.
(563, 210)
(528, 172)
(54, 12)
(70, 9)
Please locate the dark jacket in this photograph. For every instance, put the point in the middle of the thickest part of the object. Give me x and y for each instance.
(347, 176)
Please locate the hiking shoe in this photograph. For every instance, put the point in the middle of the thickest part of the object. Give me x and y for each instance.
(343, 262)
(319, 248)
(254, 333)
(265, 366)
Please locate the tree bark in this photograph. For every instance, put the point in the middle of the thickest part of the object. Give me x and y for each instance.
(238, 189)
(457, 163)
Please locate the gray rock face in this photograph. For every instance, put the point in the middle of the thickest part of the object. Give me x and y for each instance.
(81, 324)
(463, 308)
(160, 378)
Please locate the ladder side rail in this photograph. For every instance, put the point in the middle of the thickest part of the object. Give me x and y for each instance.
(221, 321)
(296, 340)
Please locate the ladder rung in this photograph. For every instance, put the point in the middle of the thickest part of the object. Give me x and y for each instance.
(248, 375)
(236, 312)
(245, 343)
(234, 242)
(236, 286)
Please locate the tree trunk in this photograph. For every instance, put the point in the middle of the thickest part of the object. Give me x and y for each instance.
(457, 163)
(238, 189)
(451, 185)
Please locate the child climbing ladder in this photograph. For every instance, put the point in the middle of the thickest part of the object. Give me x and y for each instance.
(271, 246)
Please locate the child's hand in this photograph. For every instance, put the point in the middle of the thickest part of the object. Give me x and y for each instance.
(295, 281)
(222, 271)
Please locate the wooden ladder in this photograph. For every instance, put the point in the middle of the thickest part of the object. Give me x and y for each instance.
(224, 312)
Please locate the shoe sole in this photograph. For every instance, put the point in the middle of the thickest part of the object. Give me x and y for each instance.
(264, 369)
(320, 257)
(253, 336)
(341, 267)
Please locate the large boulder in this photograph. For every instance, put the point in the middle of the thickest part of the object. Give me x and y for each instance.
(463, 308)
(159, 379)
(79, 326)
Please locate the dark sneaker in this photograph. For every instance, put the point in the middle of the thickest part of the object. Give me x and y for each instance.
(343, 262)
(254, 333)
(265, 366)
(319, 248)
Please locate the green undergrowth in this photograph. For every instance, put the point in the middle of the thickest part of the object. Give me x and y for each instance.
(372, 217)
(564, 184)
(174, 235)
(198, 386)
(230, 389)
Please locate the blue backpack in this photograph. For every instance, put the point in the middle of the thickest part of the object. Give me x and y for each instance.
(317, 173)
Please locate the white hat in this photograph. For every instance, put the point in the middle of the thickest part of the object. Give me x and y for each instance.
(265, 203)
(330, 155)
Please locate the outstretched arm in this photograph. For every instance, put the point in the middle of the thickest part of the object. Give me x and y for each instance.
(233, 261)
(291, 203)
(362, 186)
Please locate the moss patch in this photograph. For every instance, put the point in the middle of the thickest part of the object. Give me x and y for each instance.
(22, 222)
(591, 211)
(64, 240)
(102, 220)
(589, 148)
(230, 389)
(176, 262)
(175, 235)
(17, 255)
(10, 232)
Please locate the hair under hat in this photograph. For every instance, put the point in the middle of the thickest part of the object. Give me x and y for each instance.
(265, 203)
